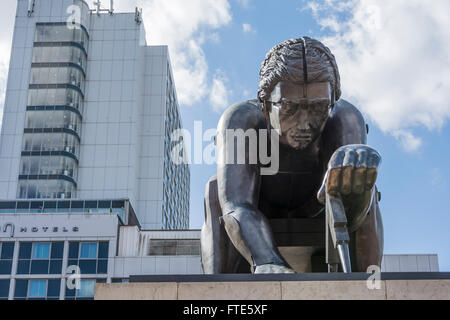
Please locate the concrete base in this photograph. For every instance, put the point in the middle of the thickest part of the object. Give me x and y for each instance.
(430, 286)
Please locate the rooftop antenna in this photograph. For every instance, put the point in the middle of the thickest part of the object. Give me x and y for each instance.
(138, 15)
(97, 4)
(31, 4)
(111, 7)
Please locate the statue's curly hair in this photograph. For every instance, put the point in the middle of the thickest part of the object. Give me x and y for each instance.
(284, 62)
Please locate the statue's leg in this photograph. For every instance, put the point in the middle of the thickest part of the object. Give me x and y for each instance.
(368, 240)
(218, 253)
(250, 233)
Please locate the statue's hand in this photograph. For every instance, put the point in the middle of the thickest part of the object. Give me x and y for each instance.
(352, 169)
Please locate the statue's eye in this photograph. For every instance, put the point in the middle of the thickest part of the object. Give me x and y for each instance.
(319, 108)
(289, 108)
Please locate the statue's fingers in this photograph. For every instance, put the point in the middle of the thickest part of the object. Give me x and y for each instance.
(337, 159)
(359, 180)
(373, 159)
(333, 181)
(361, 162)
(346, 180)
(348, 164)
(371, 178)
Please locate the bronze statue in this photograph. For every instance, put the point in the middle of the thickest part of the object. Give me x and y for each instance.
(322, 152)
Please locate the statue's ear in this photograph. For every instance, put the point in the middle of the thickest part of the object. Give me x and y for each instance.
(333, 99)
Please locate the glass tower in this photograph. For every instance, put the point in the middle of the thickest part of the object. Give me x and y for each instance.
(89, 112)
(51, 140)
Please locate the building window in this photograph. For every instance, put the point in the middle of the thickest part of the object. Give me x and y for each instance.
(88, 250)
(41, 250)
(55, 97)
(43, 119)
(45, 189)
(64, 52)
(48, 165)
(4, 289)
(86, 290)
(40, 258)
(6, 257)
(91, 257)
(58, 33)
(58, 75)
(60, 141)
(37, 289)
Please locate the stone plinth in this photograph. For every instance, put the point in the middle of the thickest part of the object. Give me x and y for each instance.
(317, 286)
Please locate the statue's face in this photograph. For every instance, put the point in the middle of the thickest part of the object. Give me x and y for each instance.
(299, 112)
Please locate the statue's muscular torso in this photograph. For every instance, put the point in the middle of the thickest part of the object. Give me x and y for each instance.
(292, 191)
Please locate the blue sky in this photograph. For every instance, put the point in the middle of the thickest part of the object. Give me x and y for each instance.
(393, 59)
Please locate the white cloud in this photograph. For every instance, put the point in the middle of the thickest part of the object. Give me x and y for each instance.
(393, 60)
(184, 26)
(247, 28)
(244, 3)
(408, 141)
(218, 96)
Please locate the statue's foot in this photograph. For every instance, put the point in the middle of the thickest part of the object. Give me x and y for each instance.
(272, 268)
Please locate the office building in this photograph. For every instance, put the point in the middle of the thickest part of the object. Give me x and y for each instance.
(88, 113)
(85, 150)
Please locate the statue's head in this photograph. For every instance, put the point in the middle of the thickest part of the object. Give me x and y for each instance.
(298, 85)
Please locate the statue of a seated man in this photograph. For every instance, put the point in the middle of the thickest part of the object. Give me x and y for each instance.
(322, 149)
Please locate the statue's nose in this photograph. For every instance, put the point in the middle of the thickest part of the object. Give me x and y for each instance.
(303, 122)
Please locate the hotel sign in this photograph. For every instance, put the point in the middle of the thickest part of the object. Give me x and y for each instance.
(58, 225)
(10, 228)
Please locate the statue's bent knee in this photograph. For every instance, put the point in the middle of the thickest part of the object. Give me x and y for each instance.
(250, 233)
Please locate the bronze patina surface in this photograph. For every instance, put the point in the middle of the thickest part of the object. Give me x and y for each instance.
(323, 154)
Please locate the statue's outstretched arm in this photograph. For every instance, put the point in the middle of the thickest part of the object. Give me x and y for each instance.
(238, 188)
(352, 169)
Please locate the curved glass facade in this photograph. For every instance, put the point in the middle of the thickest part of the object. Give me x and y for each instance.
(51, 140)
(60, 141)
(58, 75)
(59, 32)
(64, 53)
(45, 189)
(49, 165)
(55, 97)
(53, 119)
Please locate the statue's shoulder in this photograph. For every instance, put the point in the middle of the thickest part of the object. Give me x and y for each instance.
(344, 111)
(346, 125)
(243, 115)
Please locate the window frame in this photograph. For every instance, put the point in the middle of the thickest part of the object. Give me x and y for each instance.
(30, 281)
(41, 243)
(88, 242)
(51, 262)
